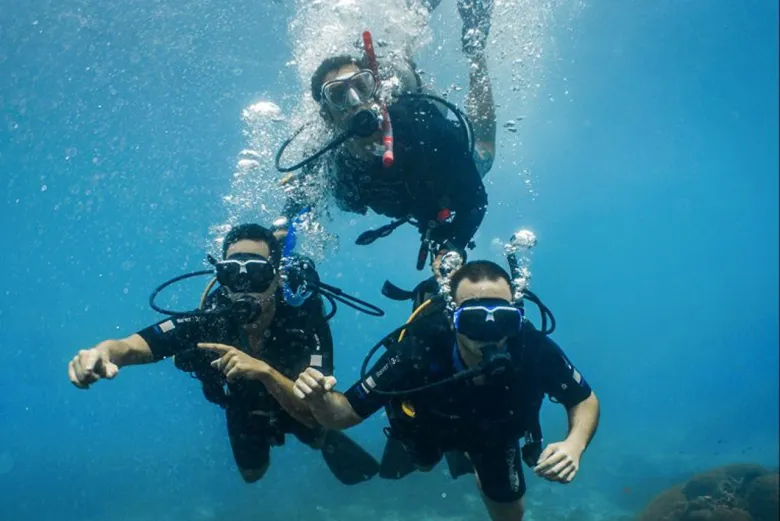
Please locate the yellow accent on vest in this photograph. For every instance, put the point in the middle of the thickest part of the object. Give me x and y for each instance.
(408, 409)
(205, 293)
(413, 315)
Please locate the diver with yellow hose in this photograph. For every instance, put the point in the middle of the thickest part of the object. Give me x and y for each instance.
(263, 324)
(467, 376)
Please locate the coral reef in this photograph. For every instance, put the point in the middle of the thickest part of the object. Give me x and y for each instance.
(762, 498)
(742, 492)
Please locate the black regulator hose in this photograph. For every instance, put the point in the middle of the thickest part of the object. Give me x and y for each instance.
(174, 280)
(335, 142)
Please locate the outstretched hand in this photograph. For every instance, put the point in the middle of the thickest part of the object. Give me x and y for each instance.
(234, 363)
(312, 386)
(559, 462)
(89, 366)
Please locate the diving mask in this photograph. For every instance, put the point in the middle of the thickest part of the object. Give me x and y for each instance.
(488, 320)
(350, 91)
(245, 272)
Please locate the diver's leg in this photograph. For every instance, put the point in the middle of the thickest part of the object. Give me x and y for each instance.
(249, 441)
(500, 480)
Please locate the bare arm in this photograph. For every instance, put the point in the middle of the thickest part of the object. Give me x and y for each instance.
(132, 350)
(281, 388)
(330, 408)
(335, 412)
(105, 359)
(481, 111)
(583, 421)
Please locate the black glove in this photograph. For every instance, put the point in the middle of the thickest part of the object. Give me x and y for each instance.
(476, 16)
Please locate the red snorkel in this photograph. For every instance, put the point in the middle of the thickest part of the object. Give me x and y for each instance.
(387, 127)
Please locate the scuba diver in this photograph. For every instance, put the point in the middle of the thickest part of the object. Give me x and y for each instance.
(465, 379)
(246, 344)
(401, 155)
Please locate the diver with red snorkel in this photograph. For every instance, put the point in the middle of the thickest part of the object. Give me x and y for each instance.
(401, 156)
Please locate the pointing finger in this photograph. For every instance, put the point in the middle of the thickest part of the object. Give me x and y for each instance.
(215, 348)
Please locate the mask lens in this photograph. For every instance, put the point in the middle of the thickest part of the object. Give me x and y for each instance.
(337, 92)
(364, 84)
(489, 323)
(245, 276)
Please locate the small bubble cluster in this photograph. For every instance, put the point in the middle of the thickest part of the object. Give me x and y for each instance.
(518, 251)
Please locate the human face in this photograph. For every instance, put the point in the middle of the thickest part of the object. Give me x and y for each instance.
(244, 248)
(497, 290)
(352, 91)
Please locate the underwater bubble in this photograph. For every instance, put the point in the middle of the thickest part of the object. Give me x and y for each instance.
(496, 245)
(248, 153)
(523, 239)
(263, 110)
(245, 165)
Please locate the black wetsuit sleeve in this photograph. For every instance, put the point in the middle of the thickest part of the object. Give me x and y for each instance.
(174, 335)
(392, 372)
(557, 375)
(468, 199)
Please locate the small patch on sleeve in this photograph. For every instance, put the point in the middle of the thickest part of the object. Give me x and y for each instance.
(166, 326)
(315, 361)
(368, 384)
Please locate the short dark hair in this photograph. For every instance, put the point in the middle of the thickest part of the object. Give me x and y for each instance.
(254, 232)
(476, 271)
(329, 64)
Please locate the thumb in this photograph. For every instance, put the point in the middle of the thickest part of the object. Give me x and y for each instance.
(105, 368)
(110, 370)
(329, 383)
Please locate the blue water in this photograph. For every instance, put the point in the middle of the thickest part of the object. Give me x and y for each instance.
(657, 218)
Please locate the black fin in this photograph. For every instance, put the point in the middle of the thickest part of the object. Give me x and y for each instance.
(458, 464)
(396, 462)
(393, 292)
(347, 460)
